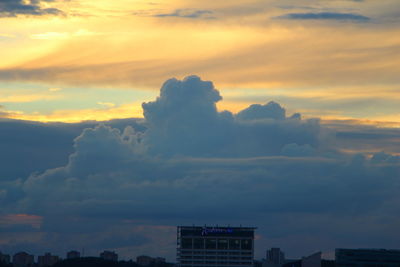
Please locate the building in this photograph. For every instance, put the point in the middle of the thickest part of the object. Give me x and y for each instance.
(47, 260)
(144, 260)
(367, 257)
(313, 260)
(4, 258)
(73, 254)
(109, 255)
(159, 260)
(215, 246)
(23, 259)
(274, 257)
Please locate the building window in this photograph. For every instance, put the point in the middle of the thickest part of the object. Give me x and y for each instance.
(222, 244)
(198, 243)
(246, 244)
(211, 243)
(186, 243)
(234, 243)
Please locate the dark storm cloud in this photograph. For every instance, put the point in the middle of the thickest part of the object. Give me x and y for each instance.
(325, 16)
(153, 189)
(12, 8)
(189, 163)
(187, 13)
(186, 190)
(32, 146)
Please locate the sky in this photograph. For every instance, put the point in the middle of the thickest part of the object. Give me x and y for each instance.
(121, 119)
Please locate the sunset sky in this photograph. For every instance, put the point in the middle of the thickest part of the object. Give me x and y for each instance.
(121, 119)
(96, 60)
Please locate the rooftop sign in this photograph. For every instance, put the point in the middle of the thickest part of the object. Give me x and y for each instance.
(207, 231)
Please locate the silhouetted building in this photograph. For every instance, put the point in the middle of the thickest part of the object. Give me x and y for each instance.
(73, 254)
(313, 260)
(215, 246)
(23, 259)
(328, 263)
(47, 260)
(274, 257)
(5, 258)
(109, 255)
(367, 257)
(159, 260)
(257, 263)
(144, 260)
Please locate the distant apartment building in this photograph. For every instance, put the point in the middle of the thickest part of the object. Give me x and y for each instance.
(109, 255)
(367, 257)
(73, 254)
(23, 259)
(274, 257)
(215, 246)
(313, 260)
(144, 260)
(159, 260)
(47, 260)
(4, 258)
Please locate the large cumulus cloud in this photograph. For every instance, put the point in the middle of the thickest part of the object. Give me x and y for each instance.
(189, 163)
(184, 120)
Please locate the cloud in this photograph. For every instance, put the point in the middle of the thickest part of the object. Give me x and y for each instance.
(184, 121)
(11, 220)
(33, 146)
(187, 13)
(181, 119)
(188, 163)
(106, 104)
(271, 110)
(107, 112)
(12, 8)
(294, 150)
(276, 57)
(325, 16)
(355, 137)
(184, 190)
(382, 157)
(64, 35)
(7, 35)
(26, 97)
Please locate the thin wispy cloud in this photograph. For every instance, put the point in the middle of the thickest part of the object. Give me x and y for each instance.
(187, 13)
(325, 16)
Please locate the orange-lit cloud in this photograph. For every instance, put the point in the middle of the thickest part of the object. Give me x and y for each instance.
(109, 112)
(137, 44)
(11, 219)
(22, 98)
